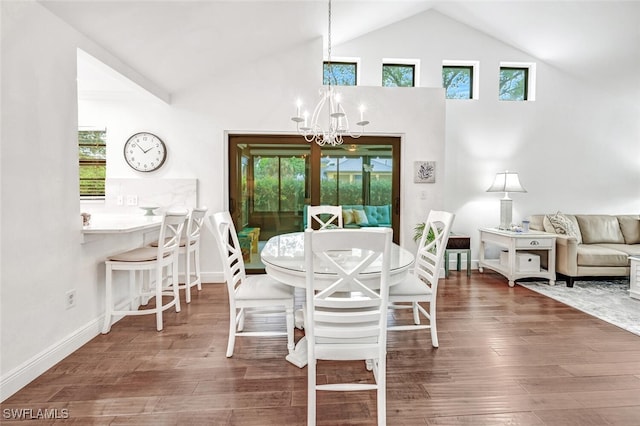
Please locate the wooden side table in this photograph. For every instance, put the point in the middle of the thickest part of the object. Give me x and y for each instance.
(634, 277)
(458, 245)
(514, 242)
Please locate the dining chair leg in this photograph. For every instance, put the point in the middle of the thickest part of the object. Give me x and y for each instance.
(232, 330)
(311, 393)
(381, 380)
(432, 323)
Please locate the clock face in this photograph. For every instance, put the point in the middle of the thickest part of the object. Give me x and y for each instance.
(145, 152)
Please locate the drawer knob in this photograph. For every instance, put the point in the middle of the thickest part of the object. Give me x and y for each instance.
(534, 243)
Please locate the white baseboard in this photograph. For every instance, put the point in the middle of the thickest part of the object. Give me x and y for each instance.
(22, 375)
(212, 277)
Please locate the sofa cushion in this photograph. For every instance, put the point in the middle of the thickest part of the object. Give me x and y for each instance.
(599, 255)
(599, 229)
(630, 227)
(378, 215)
(628, 249)
(562, 224)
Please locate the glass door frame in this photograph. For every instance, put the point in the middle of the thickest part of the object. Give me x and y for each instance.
(236, 141)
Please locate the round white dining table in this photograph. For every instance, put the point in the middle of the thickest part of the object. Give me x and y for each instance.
(283, 258)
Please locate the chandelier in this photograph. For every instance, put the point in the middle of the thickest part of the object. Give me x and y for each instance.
(328, 111)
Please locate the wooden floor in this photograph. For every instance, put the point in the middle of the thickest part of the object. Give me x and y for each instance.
(506, 356)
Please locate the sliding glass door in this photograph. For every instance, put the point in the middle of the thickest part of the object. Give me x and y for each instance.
(272, 178)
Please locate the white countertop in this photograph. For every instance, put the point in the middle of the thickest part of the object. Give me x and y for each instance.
(119, 223)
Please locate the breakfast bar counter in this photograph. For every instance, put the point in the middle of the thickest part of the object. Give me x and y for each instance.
(117, 224)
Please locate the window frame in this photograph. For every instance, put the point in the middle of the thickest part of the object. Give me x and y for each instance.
(399, 64)
(474, 66)
(529, 82)
(92, 162)
(356, 70)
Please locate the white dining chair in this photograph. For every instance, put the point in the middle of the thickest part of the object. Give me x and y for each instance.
(347, 319)
(249, 294)
(160, 267)
(325, 216)
(421, 284)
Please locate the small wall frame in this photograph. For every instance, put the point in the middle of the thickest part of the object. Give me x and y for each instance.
(424, 171)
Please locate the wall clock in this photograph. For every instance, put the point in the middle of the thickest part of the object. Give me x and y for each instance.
(145, 152)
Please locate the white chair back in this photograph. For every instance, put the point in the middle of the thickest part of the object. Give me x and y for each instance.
(229, 247)
(170, 233)
(347, 320)
(319, 214)
(194, 225)
(431, 247)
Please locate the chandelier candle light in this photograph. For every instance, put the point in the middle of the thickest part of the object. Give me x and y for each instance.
(506, 182)
(329, 106)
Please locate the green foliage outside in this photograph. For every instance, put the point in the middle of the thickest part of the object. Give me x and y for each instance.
(513, 84)
(398, 75)
(456, 80)
(92, 154)
(279, 184)
(340, 74)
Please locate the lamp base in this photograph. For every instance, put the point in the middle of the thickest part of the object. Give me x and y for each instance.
(506, 205)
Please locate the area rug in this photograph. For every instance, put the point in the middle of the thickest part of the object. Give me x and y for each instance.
(606, 300)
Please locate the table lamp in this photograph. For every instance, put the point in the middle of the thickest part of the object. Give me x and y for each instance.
(506, 182)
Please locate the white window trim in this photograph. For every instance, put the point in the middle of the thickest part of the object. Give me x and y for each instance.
(404, 61)
(531, 80)
(475, 65)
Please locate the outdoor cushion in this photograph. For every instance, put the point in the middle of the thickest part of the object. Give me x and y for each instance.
(347, 216)
(360, 217)
(378, 215)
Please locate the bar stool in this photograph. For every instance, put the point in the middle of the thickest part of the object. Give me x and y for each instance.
(190, 248)
(147, 260)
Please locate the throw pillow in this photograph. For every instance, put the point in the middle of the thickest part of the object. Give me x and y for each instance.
(360, 217)
(562, 225)
(347, 217)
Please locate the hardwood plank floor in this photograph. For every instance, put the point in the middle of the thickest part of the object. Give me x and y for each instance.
(506, 356)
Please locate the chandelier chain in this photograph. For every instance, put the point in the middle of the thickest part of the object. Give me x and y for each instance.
(337, 121)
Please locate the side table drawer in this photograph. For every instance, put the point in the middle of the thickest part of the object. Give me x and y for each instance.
(534, 243)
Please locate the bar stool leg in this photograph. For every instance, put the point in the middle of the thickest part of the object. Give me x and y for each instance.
(108, 301)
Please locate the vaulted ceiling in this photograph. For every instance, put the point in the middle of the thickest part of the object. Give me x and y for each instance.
(173, 43)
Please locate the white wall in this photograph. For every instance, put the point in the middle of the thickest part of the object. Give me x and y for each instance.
(40, 206)
(576, 147)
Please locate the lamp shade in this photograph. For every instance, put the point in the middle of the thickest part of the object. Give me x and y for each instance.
(506, 182)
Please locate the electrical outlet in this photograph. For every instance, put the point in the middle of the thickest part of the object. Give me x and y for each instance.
(132, 200)
(120, 200)
(70, 299)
